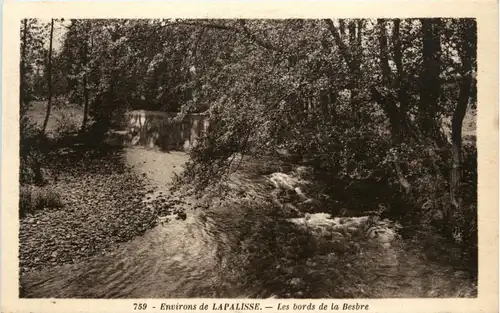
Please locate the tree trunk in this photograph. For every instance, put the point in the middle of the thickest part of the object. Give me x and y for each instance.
(468, 49)
(384, 55)
(401, 84)
(388, 104)
(85, 85)
(332, 102)
(356, 62)
(22, 70)
(430, 84)
(361, 25)
(385, 100)
(344, 50)
(49, 79)
(85, 104)
(342, 28)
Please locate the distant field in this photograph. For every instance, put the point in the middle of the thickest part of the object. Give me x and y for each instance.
(470, 123)
(68, 114)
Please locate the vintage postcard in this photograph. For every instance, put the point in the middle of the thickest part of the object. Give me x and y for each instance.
(239, 156)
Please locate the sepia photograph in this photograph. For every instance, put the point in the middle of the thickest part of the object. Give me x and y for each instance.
(248, 158)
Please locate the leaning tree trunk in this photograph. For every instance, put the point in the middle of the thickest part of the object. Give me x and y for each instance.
(468, 50)
(49, 79)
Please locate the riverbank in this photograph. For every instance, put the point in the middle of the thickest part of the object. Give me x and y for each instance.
(109, 197)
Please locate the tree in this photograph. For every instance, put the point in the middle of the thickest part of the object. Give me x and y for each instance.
(32, 58)
(352, 53)
(22, 71)
(467, 51)
(430, 82)
(85, 56)
(49, 79)
(395, 114)
(401, 81)
(317, 89)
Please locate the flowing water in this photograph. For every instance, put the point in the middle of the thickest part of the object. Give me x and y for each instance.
(177, 260)
(241, 250)
(205, 257)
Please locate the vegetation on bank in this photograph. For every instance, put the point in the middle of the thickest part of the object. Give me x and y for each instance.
(375, 108)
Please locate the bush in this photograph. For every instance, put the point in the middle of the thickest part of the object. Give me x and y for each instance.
(28, 130)
(67, 124)
(33, 198)
(31, 157)
(30, 171)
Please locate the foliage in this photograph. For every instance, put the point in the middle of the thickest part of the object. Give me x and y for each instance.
(32, 48)
(357, 99)
(29, 152)
(66, 124)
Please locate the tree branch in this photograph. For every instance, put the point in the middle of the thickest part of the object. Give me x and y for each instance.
(244, 29)
(344, 50)
(255, 39)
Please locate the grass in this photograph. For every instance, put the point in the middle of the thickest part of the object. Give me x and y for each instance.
(469, 126)
(33, 198)
(63, 117)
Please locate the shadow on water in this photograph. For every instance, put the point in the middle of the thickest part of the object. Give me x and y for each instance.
(236, 252)
(213, 254)
(233, 251)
